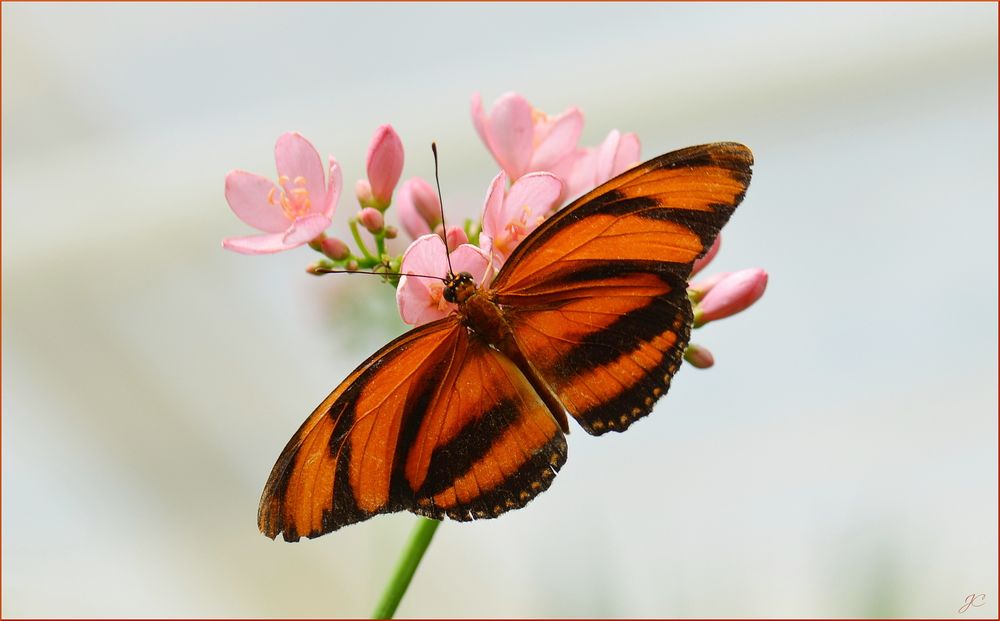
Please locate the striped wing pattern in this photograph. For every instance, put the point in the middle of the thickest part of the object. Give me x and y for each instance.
(441, 423)
(596, 296)
(436, 422)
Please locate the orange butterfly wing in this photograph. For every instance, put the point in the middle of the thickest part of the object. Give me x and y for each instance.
(441, 423)
(435, 422)
(597, 295)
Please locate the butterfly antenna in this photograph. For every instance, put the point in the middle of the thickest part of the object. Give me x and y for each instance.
(322, 270)
(444, 229)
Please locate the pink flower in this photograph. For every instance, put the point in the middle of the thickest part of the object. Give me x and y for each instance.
(385, 164)
(732, 294)
(507, 219)
(419, 207)
(594, 166)
(292, 212)
(421, 300)
(523, 139)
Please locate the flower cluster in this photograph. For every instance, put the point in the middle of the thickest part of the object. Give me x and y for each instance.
(542, 168)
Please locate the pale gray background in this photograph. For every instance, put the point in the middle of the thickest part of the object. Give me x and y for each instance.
(839, 460)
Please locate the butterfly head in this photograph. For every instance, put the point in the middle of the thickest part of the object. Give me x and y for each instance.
(459, 287)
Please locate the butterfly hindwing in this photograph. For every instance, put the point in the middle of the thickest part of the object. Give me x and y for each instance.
(596, 296)
(338, 467)
(488, 443)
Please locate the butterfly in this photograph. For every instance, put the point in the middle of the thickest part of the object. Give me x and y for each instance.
(466, 417)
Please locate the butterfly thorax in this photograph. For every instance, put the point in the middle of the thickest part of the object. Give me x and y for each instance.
(479, 313)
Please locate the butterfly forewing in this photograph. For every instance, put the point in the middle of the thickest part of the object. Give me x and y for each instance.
(436, 422)
(596, 296)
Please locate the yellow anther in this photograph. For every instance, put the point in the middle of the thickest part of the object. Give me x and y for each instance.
(283, 180)
(270, 196)
(300, 180)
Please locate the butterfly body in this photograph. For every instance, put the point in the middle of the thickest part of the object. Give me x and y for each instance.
(466, 416)
(485, 320)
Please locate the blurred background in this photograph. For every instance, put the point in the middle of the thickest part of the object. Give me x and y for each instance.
(839, 460)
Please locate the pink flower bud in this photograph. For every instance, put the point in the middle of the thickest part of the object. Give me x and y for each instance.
(454, 238)
(391, 232)
(334, 248)
(731, 295)
(697, 290)
(419, 208)
(371, 219)
(698, 356)
(385, 163)
(705, 260)
(363, 190)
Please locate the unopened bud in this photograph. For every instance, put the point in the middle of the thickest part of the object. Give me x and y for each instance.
(698, 356)
(696, 291)
(419, 208)
(352, 265)
(371, 219)
(363, 190)
(391, 232)
(334, 248)
(385, 164)
(731, 295)
(454, 238)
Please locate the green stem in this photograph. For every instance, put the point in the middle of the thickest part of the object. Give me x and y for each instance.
(353, 224)
(421, 537)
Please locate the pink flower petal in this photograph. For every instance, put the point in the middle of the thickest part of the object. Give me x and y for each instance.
(334, 184)
(418, 207)
(469, 258)
(385, 163)
(455, 236)
(617, 153)
(697, 290)
(298, 160)
(306, 229)
(479, 120)
(258, 244)
(247, 195)
(534, 194)
(492, 219)
(606, 157)
(581, 179)
(511, 133)
(559, 142)
(628, 154)
(420, 299)
(733, 294)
